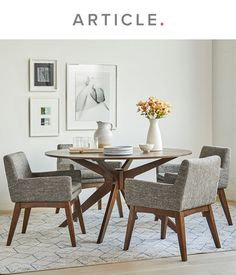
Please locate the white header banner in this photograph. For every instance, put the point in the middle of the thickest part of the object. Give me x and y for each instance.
(106, 19)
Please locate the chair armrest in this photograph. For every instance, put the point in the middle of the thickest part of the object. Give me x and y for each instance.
(74, 174)
(152, 194)
(170, 178)
(43, 189)
(224, 178)
(77, 166)
(168, 168)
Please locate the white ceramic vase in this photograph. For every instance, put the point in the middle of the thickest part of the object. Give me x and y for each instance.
(103, 134)
(154, 135)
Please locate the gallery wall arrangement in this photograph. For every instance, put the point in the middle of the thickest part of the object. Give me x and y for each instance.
(43, 111)
(91, 96)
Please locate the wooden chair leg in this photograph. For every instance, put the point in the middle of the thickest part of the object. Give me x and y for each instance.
(15, 217)
(223, 200)
(57, 210)
(211, 223)
(164, 221)
(130, 227)
(26, 219)
(80, 215)
(180, 228)
(123, 194)
(75, 209)
(99, 204)
(70, 223)
(171, 224)
(119, 205)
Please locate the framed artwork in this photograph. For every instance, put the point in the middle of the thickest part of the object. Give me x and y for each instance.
(43, 75)
(91, 96)
(44, 117)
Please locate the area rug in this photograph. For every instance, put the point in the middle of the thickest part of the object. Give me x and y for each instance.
(47, 246)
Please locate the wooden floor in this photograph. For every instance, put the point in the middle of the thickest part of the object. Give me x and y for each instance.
(220, 263)
(223, 263)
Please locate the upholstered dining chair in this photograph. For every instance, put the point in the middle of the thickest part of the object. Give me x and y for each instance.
(47, 189)
(89, 179)
(194, 190)
(224, 154)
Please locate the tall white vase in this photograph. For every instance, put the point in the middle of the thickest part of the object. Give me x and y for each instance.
(154, 135)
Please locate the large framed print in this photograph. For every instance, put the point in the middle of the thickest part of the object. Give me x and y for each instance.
(43, 75)
(91, 96)
(44, 117)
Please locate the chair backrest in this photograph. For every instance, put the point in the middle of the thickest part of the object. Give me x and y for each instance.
(222, 152)
(16, 167)
(197, 182)
(67, 164)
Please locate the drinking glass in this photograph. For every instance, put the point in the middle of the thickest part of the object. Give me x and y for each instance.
(82, 142)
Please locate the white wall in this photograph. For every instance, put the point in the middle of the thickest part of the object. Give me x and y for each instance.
(224, 102)
(178, 71)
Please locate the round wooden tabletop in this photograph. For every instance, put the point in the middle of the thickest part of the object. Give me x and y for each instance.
(137, 154)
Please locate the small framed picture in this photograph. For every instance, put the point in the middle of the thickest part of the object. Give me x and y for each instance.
(43, 75)
(44, 117)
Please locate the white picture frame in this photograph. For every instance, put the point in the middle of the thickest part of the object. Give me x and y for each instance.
(91, 96)
(43, 75)
(44, 117)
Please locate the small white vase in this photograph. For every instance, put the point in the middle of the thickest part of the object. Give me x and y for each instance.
(154, 135)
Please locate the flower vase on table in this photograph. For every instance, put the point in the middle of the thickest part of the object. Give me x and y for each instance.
(154, 135)
(154, 109)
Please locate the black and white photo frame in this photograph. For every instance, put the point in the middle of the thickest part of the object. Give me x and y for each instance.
(43, 75)
(91, 95)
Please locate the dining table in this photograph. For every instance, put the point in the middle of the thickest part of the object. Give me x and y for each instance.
(114, 179)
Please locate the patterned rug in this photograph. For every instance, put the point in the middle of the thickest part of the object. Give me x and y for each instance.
(46, 246)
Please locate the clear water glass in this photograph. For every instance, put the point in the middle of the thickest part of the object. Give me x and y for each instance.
(82, 142)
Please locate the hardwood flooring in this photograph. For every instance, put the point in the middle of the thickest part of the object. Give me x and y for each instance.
(202, 264)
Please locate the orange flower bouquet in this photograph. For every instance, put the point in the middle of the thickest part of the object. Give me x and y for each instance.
(154, 108)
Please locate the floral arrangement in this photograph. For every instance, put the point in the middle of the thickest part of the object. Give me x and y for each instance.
(154, 108)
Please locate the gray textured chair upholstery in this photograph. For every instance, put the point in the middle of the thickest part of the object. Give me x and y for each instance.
(171, 170)
(46, 189)
(194, 190)
(89, 179)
